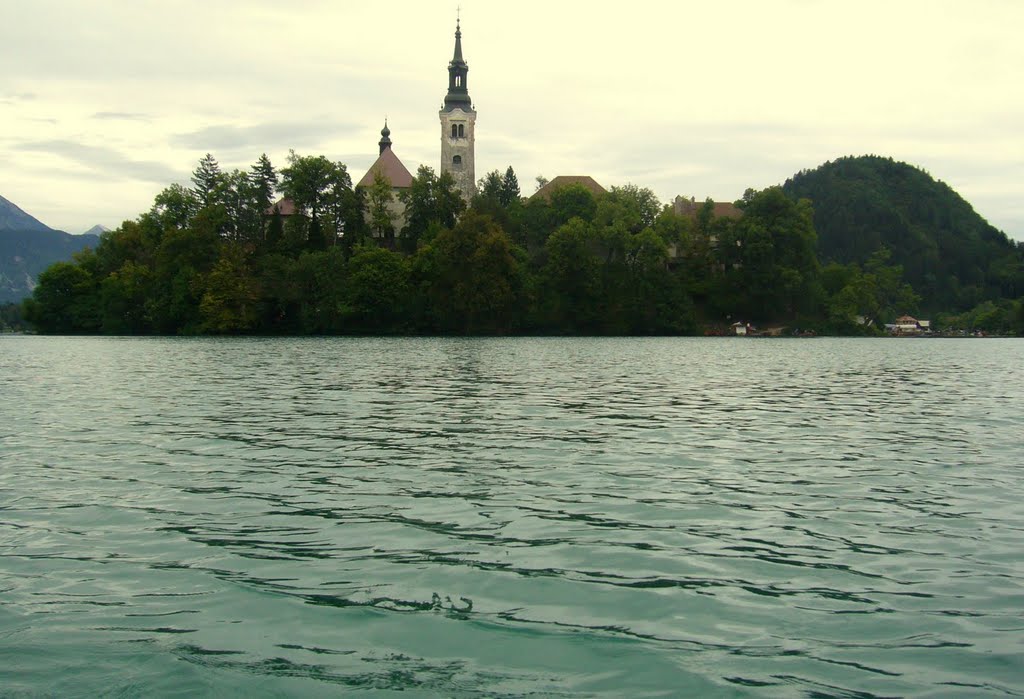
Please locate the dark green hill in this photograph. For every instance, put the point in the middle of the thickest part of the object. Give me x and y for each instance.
(951, 256)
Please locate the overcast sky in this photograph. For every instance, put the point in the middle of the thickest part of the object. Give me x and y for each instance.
(103, 103)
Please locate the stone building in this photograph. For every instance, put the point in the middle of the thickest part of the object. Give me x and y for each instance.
(458, 121)
(389, 167)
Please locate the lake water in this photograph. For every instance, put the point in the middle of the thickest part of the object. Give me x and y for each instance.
(511, 517)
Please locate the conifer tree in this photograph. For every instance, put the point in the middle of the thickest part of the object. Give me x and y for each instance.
(509, 188)
(208, 181)
(264, 181)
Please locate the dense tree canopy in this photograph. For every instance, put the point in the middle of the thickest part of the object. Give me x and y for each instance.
(950, 255)
(211, 259)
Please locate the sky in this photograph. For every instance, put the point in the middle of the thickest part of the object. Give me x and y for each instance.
(105, 103)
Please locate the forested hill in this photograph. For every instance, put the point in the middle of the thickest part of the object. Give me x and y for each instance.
(951, 256)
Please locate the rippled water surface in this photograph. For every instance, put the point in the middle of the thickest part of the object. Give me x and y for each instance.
(511, 517)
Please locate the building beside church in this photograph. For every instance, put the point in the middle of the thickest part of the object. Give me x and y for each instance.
(691, 207)
(585, 181)
(458, 124)
(390, 168)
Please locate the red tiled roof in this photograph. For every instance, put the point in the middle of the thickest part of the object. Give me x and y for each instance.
(566, 180)
(722, 209)
(392, 168)
(284, 207)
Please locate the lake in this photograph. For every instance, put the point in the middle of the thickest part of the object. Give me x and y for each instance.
(557, 517)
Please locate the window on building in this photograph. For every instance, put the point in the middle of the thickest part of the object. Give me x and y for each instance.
(458, 81)
(457, 161)
(462, 132)
(455, 131)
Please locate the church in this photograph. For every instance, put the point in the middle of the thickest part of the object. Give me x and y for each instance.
(458, 127)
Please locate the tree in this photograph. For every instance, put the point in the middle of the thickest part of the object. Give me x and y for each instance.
(230, 295)
(573, 201)
(509, 193)
(471, 278)
(321, 189)
(208, 181)
(770, 256)
(490, 186)
(65, 301)
(264, 181)
(378, 291)
(175, 206)
(381, 198)
(429, 199)
(572, 279)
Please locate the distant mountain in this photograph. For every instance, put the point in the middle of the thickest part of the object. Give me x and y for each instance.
(951, 256)
(27, 247)
(97, 230)
(12, 218)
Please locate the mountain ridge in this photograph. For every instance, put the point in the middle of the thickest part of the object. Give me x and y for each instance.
(14, 218)
(27, 247)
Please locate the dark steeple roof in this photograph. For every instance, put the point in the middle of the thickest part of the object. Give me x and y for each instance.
(388, 165)
(458, 92)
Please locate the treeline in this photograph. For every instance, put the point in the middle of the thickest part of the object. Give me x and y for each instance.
(11, 319)
(219, 258)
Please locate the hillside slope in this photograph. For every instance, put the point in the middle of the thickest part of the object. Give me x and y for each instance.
(27, 247)
(951, 256)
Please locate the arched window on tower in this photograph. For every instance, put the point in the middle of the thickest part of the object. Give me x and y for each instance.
(457, 161)
(458, 81)
(455, 131)
(462, 131)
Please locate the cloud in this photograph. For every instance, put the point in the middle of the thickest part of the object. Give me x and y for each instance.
(122, 116)
(261, 137)
(18, 97)
(105, 162)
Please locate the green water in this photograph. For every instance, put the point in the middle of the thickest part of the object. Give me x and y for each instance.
(511, 517)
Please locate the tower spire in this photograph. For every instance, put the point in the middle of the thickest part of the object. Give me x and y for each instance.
(457, 58)
(458, 70)
(385, 137)
(458, 119)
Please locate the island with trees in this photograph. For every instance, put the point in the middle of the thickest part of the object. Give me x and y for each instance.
(842, 249)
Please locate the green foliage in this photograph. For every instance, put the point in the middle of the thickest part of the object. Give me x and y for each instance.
(572, 201)
(12, 318)
(378, 292)
(1005, 317)
(381, 198)
(230, 295)
(322, 190)
(429, 200)
(471, 278)
(263, 178)
(65, 302)
(949, 254)
(208, 181)
(769, 267)
(571, 279)
(210, 260)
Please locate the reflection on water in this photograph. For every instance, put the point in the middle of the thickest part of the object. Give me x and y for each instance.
(555, 517)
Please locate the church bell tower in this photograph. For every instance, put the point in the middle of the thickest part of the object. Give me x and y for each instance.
(458, 119)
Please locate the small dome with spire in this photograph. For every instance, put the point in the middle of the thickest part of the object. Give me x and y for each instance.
(385, 137)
